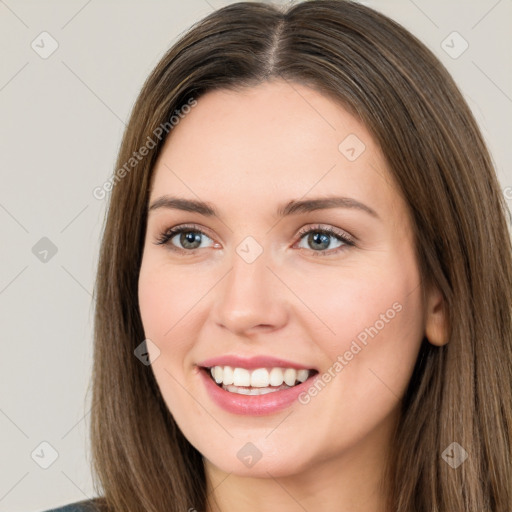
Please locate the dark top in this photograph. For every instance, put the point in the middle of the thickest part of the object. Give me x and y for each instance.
(78, 506)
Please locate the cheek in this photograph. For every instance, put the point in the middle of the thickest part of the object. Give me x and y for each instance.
(166, 298)
(378, 299)
(153, 301)
(369, 360)
(161, 308)
(167, 319)
(372, 325)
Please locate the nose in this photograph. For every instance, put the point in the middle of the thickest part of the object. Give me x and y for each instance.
(251, 298)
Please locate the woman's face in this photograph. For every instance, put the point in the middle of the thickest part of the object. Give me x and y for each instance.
(252, 282)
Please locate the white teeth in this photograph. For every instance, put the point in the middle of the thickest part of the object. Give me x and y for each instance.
(290, 376)
(217, 374)
(241, 377)
(241, 391)
(276, 377)
(302, 375)
(227, 377)
(254, 391)
(257, 378)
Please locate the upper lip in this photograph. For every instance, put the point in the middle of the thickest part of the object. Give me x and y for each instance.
(252, 362)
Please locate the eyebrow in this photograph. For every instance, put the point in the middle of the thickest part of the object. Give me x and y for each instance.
(293, 207)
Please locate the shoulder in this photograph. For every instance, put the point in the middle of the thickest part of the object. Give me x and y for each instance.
(78, 506)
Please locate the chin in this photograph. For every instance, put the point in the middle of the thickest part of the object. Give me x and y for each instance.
(259, 459)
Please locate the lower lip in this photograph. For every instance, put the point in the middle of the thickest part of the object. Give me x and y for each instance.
(253, 405)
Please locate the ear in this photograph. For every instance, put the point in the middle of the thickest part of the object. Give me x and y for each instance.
(436, 318)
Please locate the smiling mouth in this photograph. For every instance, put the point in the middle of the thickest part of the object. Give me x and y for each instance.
(259, 381)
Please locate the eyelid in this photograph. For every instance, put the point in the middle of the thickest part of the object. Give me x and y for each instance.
(331, 230)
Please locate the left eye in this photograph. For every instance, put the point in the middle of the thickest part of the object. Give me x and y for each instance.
(321, 238)
(191, 238)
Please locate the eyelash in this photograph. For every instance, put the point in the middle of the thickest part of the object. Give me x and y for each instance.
(165, 237)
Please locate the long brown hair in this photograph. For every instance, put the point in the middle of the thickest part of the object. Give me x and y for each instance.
(460, 392)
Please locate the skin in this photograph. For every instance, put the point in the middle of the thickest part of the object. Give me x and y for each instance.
(246, 153)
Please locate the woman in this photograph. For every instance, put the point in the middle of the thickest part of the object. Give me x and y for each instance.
(303, 297)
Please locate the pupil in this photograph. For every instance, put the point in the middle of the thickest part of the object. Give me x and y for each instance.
(189, 237)
(317, 239)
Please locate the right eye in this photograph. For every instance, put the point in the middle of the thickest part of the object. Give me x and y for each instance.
(189, 238)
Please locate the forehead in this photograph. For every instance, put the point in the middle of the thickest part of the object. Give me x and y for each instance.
(269, 143)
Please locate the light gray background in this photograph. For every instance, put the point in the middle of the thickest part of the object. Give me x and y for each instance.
(62, 119)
